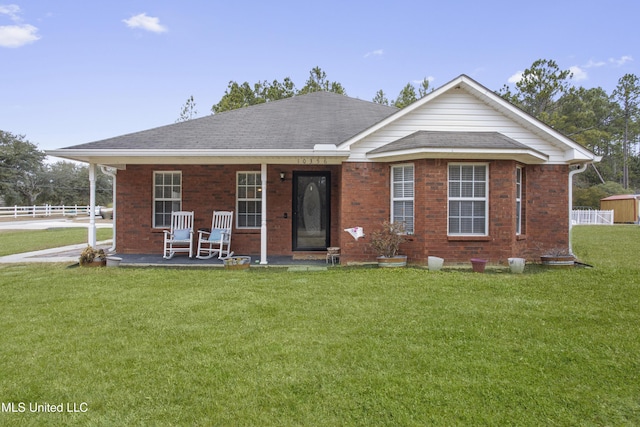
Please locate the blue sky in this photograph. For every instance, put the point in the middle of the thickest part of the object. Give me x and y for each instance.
(79, 71)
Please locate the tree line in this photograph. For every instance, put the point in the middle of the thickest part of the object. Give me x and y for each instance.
(606, 124)
(240, 95)
(27, 179)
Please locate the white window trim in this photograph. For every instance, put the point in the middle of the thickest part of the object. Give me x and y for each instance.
(519, 182)
(485, 198)
(258, 199)
(403, 199)
(163, 199)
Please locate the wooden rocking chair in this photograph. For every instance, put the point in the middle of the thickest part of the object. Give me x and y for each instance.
(180, 237)
(218, 240)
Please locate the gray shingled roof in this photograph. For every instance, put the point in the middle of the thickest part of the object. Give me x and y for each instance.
(293, 123)
(435, 139)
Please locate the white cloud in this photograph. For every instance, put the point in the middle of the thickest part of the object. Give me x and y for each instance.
(12, 10)
(578, 73)
(19, 34)
(516, 77)
(145, 22)
(430, 79)
(619, 62)
(594, 64)
(378, 52)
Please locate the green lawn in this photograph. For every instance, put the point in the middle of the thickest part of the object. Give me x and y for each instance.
(19, 241)
(150, 346)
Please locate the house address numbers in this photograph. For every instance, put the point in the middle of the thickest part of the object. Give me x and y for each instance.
(312, 161)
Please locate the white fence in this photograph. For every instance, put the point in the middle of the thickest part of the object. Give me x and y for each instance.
(581, 217)
(44, 210)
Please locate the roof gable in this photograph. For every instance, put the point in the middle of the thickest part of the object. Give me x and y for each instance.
(464, 105)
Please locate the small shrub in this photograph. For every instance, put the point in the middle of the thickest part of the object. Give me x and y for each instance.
(387, 240)
(89, 255)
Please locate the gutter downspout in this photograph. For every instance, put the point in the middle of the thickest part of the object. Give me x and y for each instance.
(108, 171)
(581, 168)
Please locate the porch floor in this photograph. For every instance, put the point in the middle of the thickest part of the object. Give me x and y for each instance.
(183, 260)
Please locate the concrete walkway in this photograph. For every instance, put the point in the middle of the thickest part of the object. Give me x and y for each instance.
(48, 223)
(69, 253)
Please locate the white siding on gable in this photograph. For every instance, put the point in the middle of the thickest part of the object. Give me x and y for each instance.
(456, 111)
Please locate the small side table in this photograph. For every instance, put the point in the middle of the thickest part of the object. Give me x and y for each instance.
(333, 254)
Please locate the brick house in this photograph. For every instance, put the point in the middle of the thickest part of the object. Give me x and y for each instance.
(468, 174)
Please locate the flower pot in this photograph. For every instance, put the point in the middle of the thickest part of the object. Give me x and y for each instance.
(558, 261)
(113, 261)
(435, 263)
(396, 261)
(516, 265)
(478, 265)
(96, 263)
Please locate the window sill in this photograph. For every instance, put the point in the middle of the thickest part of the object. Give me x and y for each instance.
(469, 238)
(521, 237)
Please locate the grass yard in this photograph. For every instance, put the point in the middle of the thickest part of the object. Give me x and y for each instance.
(345, 347)
(19, 241)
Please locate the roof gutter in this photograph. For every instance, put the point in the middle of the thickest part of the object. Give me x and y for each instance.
(527, 156)
(123, 156)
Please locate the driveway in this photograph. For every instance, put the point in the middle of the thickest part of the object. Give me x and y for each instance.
(47, 223)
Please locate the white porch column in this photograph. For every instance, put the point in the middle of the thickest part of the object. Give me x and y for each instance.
(113, 174)
(263, 225)
(92, 205)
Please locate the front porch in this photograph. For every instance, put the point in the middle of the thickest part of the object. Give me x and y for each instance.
(156, 260)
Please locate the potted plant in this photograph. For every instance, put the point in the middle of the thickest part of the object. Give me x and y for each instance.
(386, 243)
(91, 257)
(558, 258)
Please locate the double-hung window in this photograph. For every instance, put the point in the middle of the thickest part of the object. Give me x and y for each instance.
(402, 185)
(167, 196)
(249, 200)
(468, 199)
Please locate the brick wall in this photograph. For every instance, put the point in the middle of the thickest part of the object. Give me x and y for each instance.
(366, 203)
(360, 197)
(547, 209)
(205, 188)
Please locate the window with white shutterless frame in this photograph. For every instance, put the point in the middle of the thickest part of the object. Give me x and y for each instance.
(248, 199)
(402, 196)
(468, 199)
(167, 196)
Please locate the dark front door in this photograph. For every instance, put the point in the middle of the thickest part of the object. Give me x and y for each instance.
(311, 210)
